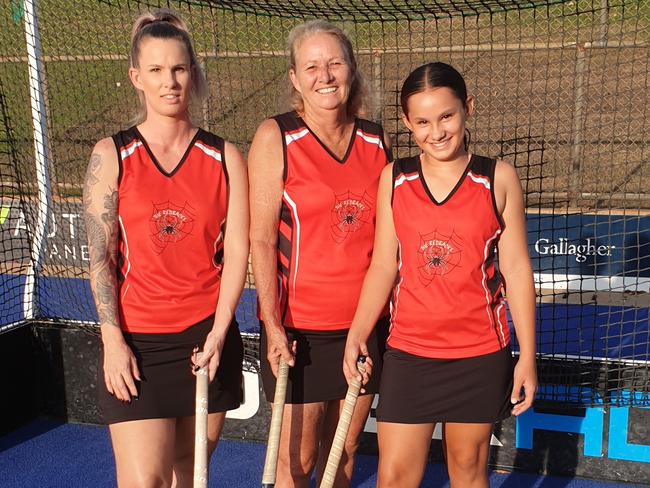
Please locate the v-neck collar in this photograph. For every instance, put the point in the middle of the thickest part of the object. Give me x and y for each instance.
(353, 136)
(155, 160)
(453, 190)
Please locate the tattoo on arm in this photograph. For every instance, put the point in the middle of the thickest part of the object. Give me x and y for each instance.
(101, 229)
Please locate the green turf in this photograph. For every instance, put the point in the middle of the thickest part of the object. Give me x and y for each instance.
(522, 95)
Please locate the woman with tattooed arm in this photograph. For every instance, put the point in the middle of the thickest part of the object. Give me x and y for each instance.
(166, 207)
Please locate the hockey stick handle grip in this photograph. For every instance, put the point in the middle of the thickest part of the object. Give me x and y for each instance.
(271, 460)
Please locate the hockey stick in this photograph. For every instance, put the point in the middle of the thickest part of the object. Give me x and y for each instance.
(201, 428)
(271, 461)
(342, 429)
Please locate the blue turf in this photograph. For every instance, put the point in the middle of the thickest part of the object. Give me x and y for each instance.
(45, 454)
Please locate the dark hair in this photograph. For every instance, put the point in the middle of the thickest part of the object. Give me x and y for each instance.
(165, 24)
(310, 28)
(429, 76)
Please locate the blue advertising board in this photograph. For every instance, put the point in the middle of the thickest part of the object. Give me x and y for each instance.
(590, 252)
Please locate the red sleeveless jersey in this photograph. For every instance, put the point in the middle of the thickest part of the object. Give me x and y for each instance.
(448, 301)
(327, 223)
(171, 233)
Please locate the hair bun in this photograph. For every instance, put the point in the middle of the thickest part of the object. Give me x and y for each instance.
(158, 17)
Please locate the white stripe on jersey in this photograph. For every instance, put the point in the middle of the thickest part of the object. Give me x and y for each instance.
(370, 138)
(481, 180)
(404, 178)
(497, 312)
(294, 136)
(292, 204)
(130, 149)
(213, 153)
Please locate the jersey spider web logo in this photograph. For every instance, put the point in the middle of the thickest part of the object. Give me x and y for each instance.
(170, 223)
(438, 255)
(349, 213)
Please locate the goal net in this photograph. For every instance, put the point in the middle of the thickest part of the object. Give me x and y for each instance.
(561, 90)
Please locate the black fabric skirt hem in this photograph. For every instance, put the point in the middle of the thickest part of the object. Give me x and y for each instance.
(168, 386)
(417, 390)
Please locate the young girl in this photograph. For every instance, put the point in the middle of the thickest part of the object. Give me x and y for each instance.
(444, 213)
(166, 206)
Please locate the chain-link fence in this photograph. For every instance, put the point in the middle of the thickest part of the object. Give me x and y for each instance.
(561, 92)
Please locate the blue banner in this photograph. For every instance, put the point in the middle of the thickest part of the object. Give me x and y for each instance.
(590, 252)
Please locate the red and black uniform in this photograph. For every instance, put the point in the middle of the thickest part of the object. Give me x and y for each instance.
(448, 301)
(327, 226)
(171, 231)
(327, 223)
(448, 314)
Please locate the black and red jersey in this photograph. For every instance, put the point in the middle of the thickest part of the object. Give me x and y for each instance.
(448, 301)
(327, 223)
(171, 233)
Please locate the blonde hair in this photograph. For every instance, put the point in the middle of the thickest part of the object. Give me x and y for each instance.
(300, 33)
(165, 24)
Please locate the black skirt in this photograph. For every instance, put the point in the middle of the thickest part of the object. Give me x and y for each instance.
(168, 387)
(417, 390)
(318, 373)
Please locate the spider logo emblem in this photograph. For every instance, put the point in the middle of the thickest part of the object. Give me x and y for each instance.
(169, 224)
(438, 255)
(349, 213)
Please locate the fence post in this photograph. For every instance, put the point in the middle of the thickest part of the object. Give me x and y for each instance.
(205, 104)
(604, 20)
(41, 155)
(377, 95)
(578, 126)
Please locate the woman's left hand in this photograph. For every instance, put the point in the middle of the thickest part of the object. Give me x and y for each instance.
(525, 377)
(211, 353)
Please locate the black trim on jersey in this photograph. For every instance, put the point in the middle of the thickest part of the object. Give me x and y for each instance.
(494, 197)
(388, 150)
(285, 215)
(353, 138)
(213, 140)
(403, 166)
(284, 245)
(494, 283)
(396, 171)
(217, 259)
(453, 190)
(287, 122)
(376, 129)
(486, 167)
(155, 161)
(409, 164)
(483, 166)
(122, 139)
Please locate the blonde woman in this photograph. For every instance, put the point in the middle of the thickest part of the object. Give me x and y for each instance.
(166, 207)
(314, 173)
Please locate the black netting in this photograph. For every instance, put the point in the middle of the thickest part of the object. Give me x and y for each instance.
(561, 91)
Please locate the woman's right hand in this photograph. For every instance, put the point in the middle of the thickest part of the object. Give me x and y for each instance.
(120, 370)
(278, 347)
(354, 348)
